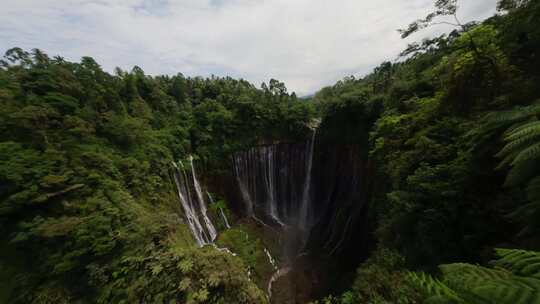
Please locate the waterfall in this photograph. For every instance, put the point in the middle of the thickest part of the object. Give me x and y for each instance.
(225, 221)
(202, 204)
(269, 174)
(186, 187)
(304, 211)
(203, 234)
(275, 182)
(185, 200)
(238, 167)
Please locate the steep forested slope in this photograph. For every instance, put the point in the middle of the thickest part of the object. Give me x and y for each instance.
(87, 207)
(455, 146)
(421, 170)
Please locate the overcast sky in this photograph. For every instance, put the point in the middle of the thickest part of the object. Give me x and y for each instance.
(307, 44)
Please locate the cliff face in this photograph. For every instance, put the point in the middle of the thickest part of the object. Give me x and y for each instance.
(320, 187)
(316, 194)
(343, 181)
(270, 183)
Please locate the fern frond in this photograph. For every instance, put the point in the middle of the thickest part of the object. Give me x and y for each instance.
(513, 281)
(511, 116)
(519, 143)
(527, 282)
(531, 128)
(507, 161)
(501, 294)
(441, 300)
(461, 276)
(521, 172)
(531, 152)
(520, 262)
(526, 212)
(433, 287)
(476, 284)
(532, 270)
(508, 257)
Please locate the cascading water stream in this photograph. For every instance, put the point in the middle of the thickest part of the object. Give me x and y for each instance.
(243, 189)
(186, 186)
(193, 220)
(203, 234)
(304, 211)
(275, 183)
(269, 175)
(202, 204)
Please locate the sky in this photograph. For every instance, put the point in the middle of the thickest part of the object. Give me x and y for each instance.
(308, 44)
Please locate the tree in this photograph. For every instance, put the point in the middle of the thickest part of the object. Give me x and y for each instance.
(521, 154)
(442, 8)
(511, 5)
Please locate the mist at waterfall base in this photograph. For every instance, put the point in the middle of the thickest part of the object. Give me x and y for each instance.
(312, 194)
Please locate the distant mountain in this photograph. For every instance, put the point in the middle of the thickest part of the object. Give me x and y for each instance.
(309, 96)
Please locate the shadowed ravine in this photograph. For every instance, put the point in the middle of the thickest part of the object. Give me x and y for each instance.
(310, 195)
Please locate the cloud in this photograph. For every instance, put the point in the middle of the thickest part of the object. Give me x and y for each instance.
(305, 43)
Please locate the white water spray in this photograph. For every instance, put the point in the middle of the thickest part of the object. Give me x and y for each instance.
(191, 216)
(202, 204)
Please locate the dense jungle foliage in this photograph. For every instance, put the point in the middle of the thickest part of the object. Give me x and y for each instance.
(456, 143)
(87, 207)
(88, 212)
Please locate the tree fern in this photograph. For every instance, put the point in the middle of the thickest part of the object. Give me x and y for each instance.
(476, 284)
(433, 288)
(531, 152)
(514, 142)
(500, 294)
(465, 278)
(523, 129)
(529, 213)
(513, 280)
(521, 154)
(512, 116)
(496, 122)
(521, 173)
(520, 262)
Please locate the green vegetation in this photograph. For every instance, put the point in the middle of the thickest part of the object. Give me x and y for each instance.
(86, 203)
(88, 212)
(455, 143)
(247, 244)
(514, 279)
